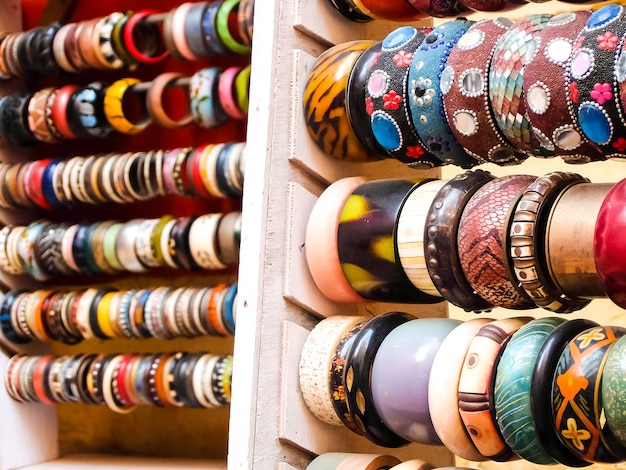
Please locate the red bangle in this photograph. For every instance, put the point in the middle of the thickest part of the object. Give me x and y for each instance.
(33, 180)
(38, 378)
(59, 110)
(225, 88)
(196, 158)
(131, 47)
(121, 380)
(394, 10)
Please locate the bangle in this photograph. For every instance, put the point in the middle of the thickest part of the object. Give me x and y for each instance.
(541, 386)
(125, 246)
(441, 239)
(400, 377)
(577, 410)
(245, 20)
(179, 244)
(358, 377)
(129, 31)
(365, 243)
(212, 41)
(527, 237)
(426, 98)
(178, 31)
(476, 400)
(226, 7)
(59, 48)
(387, 99)
(512, 389)
(36, 116)
(464, 86)
(409, 235)
(60, 107)
(193, 30)
(208, 169)
(86, 47)
(226, 91)
(205, 107)
(394, 11)
(86, 111)
(482, 239)
(506, 79)
(203, 241)
(611, 391)
(154, 102)
(443, 385)
(103, 41)
(227, 239)
(242, 89)
(114, 110)
(14, 120)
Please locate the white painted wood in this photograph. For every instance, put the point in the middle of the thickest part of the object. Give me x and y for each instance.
(114, 462)
(284, 466)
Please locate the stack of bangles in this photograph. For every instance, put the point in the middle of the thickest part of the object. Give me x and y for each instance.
(517, 242)
(467, 93)
(122, 381)
(52, 115)
(546, 390)
(47, 249)
(208, 171)
(107, 313)
(190, 31)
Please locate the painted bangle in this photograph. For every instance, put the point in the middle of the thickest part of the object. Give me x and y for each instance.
(476, 386)
(365, 243)
(465, 89)
(426, 98)
(315, 364)
(355, 101)
(612, 386)
(409, 236)
(527, 239)
(205, 108)
(114, 110)
(482, 238)
(577, 408)
(441, 238)
(400, 377)
(387, 99)
(222, 28)
(513, 51)
(36, 116)
(324, 101)
(358, 378)
(594, 77)
(443, 384)
(545, 90)
(212, 41)
(14, 121)
(85, 112)
(103, 41)
(512, 389)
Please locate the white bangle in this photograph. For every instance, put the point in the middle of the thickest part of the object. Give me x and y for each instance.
(125, 247)
(203, 241)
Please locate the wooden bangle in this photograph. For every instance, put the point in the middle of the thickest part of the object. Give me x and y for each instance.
(154, 102)
(86, 48)
(367, 462)
(476, 400)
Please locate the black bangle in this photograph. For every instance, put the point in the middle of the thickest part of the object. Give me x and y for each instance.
(79, 249)
(85, 111)
(180, 236)
(358, 374)
(442, 222)
(139, 319)
(14, 117)
(81, 372)
(541, 389)
(186, 392)
(43, 62)
(9, 332)
(47, 252)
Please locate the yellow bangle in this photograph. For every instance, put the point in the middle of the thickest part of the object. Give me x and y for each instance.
(104, 320)
(114, 111)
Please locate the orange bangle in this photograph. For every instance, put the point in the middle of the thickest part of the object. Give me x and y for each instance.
(215, 314)
(154, 102)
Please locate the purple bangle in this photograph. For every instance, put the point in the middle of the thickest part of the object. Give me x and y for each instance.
(168, 171)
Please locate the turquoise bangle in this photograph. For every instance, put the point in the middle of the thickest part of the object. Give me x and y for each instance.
(512, 390)
(425, 93)
(205, 107)
(221, 26)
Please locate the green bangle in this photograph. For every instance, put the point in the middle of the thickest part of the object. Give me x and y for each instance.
(118, 41)
(221, 23)
(242, 88)
(155, 239)
(110, 253)
(512, 390)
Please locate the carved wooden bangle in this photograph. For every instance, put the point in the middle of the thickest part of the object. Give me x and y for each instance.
(481, 241)
(527, 242)
(476, 383)
(441, 233)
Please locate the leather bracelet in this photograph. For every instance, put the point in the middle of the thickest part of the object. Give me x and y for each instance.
(465, 89)
(527, 242)
(512, 389)
(594, 82)
(476, 400)
(316, 365)
(481, 242)
(324, 102)
(365, 243)
(443, 385)
(387, 99)
(511, 54)
(576, 398)
(358, 379)
(545, 89)
(426, 98)
(400, 377)
(441, 235)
